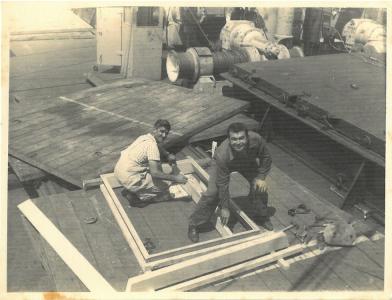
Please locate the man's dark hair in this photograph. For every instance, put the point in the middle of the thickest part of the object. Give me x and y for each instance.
(162, 123)
(237, 127)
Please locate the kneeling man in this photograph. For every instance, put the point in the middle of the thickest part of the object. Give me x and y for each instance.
(244, 152)
(139, 168)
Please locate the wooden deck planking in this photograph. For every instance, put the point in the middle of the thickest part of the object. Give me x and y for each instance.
(355, 269)
(97, 238)
(23, 259)
(25, 172)
(64, 278)
(100, 242)
(374, 250)
(81, 131)
(19, 85)
(80, 138)
(120, 249)
(164, 223)
(22, 66)
(311, 275)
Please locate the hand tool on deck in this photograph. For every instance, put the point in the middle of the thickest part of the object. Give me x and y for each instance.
(300, 209)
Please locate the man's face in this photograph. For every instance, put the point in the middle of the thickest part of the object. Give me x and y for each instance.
(238, 140)
(160, 134)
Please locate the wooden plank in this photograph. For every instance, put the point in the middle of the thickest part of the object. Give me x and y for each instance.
(99, 242)
(70, 225)
(207, 263)
(82, 268)
(170, 260)
(25, 172)
(43, 166)
(124, 228)
(234, 270)
(120, 248)
(125, 218)
(27, 266)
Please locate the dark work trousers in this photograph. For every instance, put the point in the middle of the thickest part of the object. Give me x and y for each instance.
(209, 201)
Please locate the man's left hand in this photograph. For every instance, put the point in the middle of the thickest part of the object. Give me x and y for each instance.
(171, 158)
(260, 185)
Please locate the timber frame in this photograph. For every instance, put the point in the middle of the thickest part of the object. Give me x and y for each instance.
(194, 187)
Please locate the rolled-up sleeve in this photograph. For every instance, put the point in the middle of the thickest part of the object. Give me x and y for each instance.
(265, 161)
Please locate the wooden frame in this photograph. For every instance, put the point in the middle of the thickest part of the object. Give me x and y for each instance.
(194, 187)
(211, 262)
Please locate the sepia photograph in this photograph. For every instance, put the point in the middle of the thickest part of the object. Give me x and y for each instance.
(195, 148)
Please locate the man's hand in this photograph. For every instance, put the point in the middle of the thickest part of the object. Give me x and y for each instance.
(180, 179)
(260, 185)
(224, 215)
(171, 158)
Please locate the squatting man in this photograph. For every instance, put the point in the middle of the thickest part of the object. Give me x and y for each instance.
(139, 170)
(243, 152)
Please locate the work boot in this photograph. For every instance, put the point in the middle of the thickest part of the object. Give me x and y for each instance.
(193, 234)
(264, 222)
(133, 199)
(268, 225)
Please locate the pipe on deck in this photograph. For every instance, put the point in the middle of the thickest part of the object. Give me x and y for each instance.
(200, 61)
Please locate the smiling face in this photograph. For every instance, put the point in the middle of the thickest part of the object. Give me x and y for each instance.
(160, 134)
(238, 140)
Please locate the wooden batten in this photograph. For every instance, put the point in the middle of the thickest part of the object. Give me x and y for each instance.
(124, 229)
(63, 247)
(235, 270)
(106, 179)
(204, 264)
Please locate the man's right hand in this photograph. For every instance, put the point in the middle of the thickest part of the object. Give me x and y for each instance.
(225, 215)
(180, 179)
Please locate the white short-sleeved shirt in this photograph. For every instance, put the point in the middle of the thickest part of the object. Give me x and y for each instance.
(132, 168)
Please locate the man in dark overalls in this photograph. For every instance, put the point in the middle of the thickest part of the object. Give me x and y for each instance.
(244, 152)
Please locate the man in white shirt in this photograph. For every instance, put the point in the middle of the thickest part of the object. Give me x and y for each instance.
(139, 168)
